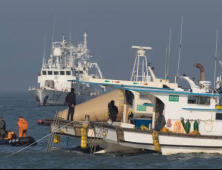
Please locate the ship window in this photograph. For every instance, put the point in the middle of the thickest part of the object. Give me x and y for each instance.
(44, 73)
(68, 73)
(49, 72)
(62, 73)
(219, 116)
(200, 100)
(56, 73)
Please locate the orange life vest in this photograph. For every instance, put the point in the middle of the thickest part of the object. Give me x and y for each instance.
(10, 135)
(23, 124)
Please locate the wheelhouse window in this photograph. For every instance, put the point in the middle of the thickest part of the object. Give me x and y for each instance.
(49, 72)
(62, 73)
(56, 73)
(218, 116)
(43, 72)
(68, 73)
(200, 100)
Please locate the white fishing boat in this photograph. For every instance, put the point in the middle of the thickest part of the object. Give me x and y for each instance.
(198, 107)
(142, 77)
(67, 62)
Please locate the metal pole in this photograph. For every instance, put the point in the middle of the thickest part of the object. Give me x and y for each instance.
(180, 48)
(215, 70)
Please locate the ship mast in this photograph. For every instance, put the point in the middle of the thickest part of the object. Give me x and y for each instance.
(140, 74)
(44, 55)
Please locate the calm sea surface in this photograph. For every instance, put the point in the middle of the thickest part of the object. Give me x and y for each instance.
(21, 103)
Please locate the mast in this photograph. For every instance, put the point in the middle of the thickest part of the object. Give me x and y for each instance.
(53, 31)
(51, 56)
(85, 40)
(140, 74)
(44, 55)
(70, 32)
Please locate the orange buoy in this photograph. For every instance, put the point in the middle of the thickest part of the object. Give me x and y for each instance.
(41, 122)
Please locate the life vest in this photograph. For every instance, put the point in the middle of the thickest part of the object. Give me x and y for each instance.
(23, 124)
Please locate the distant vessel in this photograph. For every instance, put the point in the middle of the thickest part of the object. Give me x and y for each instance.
(67, 62)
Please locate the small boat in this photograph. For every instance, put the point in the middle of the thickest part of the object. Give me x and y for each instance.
(19, 142)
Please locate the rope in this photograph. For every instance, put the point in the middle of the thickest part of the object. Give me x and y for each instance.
(209, 122)
(38, 141)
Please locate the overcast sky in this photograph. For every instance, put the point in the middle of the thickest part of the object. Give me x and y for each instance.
(113, 27)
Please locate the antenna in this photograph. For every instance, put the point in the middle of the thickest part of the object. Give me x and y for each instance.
(181, 38)
(53, 31)
(44, 51)
(142, 48)
(70, 32)
(85, 38)
(166, 62)
(168, 67)
(216, 51)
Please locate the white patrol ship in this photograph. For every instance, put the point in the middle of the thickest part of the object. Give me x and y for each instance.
(67, 62)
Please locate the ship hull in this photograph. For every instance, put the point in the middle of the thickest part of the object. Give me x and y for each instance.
(45, 97)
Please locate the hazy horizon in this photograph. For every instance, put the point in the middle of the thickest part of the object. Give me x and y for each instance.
(113, 26)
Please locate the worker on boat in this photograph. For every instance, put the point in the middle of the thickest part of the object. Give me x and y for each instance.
(3, 131)
(160, 122)
(113, 111)
(11, 135)
(23, 127)
(71, 102)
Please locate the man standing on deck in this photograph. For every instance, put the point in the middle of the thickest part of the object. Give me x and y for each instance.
(23, 127)
(113, 111)
(71, 102)
(3, 132)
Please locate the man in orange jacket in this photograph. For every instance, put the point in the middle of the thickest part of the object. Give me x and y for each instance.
(11, 135)
(23, 127)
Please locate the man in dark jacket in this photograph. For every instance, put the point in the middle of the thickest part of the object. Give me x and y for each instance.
(71, 102)
(3, 132)
(113, 111)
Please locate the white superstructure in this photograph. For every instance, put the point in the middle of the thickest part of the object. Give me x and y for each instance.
(67, 62)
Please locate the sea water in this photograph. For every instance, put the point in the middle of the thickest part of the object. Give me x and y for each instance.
(13, 104)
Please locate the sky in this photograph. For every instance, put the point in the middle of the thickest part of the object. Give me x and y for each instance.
(113, 27)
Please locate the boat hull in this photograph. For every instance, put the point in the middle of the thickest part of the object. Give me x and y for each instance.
(19, 142)
(170, 143)
(45, 97)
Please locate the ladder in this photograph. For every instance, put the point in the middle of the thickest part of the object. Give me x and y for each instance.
(94, 140)
(54, 131)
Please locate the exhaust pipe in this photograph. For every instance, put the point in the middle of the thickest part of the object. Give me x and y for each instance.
(202, 71)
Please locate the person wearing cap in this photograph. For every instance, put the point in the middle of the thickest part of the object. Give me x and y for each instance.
(23, 127)
(71, 102)
(3, 132)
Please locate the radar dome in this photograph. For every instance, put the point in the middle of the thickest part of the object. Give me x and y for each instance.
(57, 52)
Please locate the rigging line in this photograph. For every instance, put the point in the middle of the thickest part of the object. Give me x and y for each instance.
(38, 141)
(180, 48)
